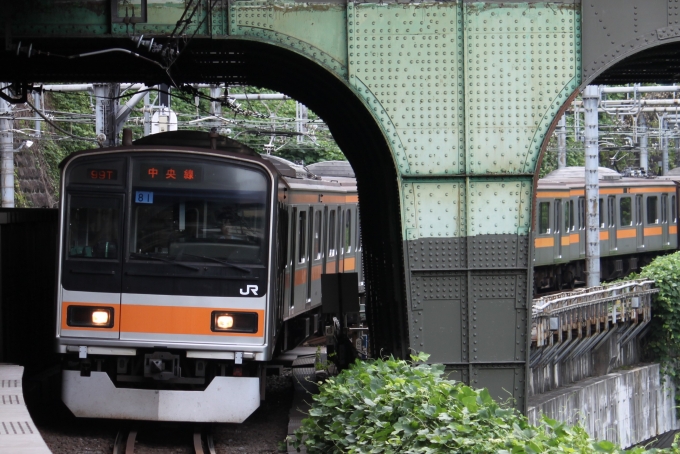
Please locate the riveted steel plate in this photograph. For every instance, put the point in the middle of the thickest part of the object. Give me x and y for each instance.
(503, 382)
(409, 58)
(613, 29)
(436, 253)
(499, 207)
(498, 251)
(435, 208)
(521, 65)
(439, 318)
(318, 31)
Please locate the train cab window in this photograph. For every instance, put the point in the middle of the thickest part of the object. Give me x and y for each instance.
(544, 217)
(581, 213)
(331, 234)
(652, 216)
(182, 212)
(664, 208)
(317, 235)
(302, 237)
(348, 232)
(93, 227)
(625, 207)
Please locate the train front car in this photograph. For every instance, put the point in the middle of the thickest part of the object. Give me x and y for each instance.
(165, 265)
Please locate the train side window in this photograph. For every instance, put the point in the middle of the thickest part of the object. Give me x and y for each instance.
(625, 206)
(302, 237)
(348, 231)
(600, 211)
(317, 235)
(569, 216)
(581, 213)
(331, 234)
(664, 208)
(93, 228)
(611, 211)
(652, 216)
(673, 210)
(556, 220)
(544, 217)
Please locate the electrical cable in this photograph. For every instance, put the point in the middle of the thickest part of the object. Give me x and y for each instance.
(48, 121)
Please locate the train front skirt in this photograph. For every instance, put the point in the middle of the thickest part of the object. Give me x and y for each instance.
(226, 399)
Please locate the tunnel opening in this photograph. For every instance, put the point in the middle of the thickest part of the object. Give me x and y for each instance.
(252, 63)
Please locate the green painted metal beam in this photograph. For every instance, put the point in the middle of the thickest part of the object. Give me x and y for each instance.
(464, 93)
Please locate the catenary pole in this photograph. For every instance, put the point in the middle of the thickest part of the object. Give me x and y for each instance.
(562, 142)
(591, 97)
(6, 151)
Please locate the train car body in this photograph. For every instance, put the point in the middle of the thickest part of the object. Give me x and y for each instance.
(183, 262)
(638, 221)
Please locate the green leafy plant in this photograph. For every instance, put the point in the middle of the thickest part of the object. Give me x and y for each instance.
(664, 342)
(389, 406)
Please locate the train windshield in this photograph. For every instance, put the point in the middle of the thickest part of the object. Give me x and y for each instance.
(198, 213)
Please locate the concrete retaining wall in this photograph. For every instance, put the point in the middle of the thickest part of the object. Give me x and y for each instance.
(625, 407)
(609, 356)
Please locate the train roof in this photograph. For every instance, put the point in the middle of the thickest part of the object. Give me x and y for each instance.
(341, 169)
(578, 172)
(574, 177)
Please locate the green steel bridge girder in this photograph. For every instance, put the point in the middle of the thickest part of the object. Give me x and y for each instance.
(465, 94)
(461, 90)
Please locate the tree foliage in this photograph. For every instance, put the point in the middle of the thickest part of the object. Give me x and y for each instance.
(389, 406)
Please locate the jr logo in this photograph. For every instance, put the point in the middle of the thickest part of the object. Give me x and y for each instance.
(248, 289)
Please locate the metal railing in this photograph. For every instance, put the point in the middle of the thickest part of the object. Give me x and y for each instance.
(567, 325)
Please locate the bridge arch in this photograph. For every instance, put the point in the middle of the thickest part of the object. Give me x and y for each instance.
(256, 62)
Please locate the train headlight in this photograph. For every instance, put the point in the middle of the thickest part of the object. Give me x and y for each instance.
(100, 318)
(234, 322)
(224, 322)
(89, 316)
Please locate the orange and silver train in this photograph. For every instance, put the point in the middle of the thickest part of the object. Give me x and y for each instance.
(638, 221)
(185, 260)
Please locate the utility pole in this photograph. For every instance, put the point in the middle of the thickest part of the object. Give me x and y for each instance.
(664, 144)
(642, 128)
(147, 114)
(106, 107)
(216, 106)
(6, 151)
(301, 116)
(562, 142)
(37, 102)
(591, 96)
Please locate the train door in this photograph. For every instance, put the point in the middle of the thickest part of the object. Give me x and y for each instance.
(316, 258)
(581, 227)
(331, 261)
(301, 267)
(341, 255)
(557, 228)
(664, 221)
(611, 223)
(639, 222)
(310, 233)
(291, 260)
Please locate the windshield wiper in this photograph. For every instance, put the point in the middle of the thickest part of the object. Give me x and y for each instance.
(163, 259)
(223, 262)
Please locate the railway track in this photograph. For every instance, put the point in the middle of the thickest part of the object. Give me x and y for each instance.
(202, 441)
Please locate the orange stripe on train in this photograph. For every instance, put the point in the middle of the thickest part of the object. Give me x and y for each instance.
(653, 231)
(626, 233)
(544, 242)
(178, 320)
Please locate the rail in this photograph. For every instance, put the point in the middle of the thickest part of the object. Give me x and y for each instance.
(591, 314)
